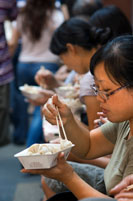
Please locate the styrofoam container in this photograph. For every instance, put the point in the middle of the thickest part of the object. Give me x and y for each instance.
(41, 161)
(33, 92)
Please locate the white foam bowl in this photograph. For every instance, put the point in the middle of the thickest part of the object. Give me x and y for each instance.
(33, 94)
(41, 161)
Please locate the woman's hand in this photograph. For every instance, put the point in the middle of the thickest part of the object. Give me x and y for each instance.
(50, 112)
(62, 171)
(102, 120)
(46, 79)
(122, 191)
(46, 94)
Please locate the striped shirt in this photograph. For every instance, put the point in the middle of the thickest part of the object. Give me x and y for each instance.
(8, 11)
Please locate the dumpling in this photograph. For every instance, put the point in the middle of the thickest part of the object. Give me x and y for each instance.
(34, 148)
(65, 144)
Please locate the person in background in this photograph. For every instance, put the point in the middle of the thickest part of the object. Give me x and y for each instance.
(8, 11)
(114, 19)
(81, 8)
(66, 7)
(34, 54)
(86, 8)
(112, 67)
(100, 19)
(81, 47)
(106, 17)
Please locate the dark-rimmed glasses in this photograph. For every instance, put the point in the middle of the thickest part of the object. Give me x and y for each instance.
(104, 95)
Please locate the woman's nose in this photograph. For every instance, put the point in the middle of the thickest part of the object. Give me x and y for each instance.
(100, 99)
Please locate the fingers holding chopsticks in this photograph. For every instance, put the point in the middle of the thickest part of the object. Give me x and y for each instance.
(50, 112)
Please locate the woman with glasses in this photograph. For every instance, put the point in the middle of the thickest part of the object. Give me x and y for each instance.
(75, 41)
(112, 67)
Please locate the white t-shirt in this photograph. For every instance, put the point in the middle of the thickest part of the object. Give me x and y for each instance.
(39, 51)
(85, 85)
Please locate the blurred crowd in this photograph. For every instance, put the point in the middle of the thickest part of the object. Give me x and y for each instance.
(51, 52)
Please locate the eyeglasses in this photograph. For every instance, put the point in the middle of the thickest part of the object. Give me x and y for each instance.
(104, 95)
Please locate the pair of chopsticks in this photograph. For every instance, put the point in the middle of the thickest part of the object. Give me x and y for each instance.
(58, 119)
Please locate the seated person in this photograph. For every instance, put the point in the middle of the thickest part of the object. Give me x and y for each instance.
(112, 67)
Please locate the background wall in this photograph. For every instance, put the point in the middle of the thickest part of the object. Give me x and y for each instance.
(125, 5)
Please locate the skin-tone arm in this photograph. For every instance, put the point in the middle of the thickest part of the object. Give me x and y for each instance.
(65, 11)
(88, 145)
(124, 190)
(92, 107)
(46, 94)
(12, 44)
(46, 79)
(65, 173)
(100, 162)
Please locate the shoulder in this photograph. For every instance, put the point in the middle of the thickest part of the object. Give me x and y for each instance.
(87, 78)
(114, 131)
(85, 85)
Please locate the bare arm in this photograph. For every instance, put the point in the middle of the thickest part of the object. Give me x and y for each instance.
(92, 107)
(100, 162)
(65, 173)
(87, 144)
(12, 44)
(65, 11)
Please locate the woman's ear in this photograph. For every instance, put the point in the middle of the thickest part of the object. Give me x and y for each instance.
(71, 48)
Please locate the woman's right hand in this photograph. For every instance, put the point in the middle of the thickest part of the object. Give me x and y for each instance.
(102, 120)
(45, 79)
(50, 112)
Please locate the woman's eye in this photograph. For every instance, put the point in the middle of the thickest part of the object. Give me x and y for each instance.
(106, 90)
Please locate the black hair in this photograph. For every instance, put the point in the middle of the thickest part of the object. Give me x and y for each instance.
(112, 17)
(86, 7)
(78, 32)
(117, 56)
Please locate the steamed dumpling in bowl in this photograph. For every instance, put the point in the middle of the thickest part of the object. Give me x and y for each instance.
(65, 144)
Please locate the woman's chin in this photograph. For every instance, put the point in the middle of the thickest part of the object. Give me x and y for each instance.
(115, 119)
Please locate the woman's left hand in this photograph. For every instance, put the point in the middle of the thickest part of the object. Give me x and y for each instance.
(124, 196)
(46, 94)
(62, 171)
(123, 191)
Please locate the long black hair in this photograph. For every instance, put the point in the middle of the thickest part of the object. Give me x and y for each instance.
(35, 15)
(117, 57)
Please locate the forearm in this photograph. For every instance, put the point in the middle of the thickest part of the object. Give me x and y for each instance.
(79, 135)
(81, 189)
(100, 162)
